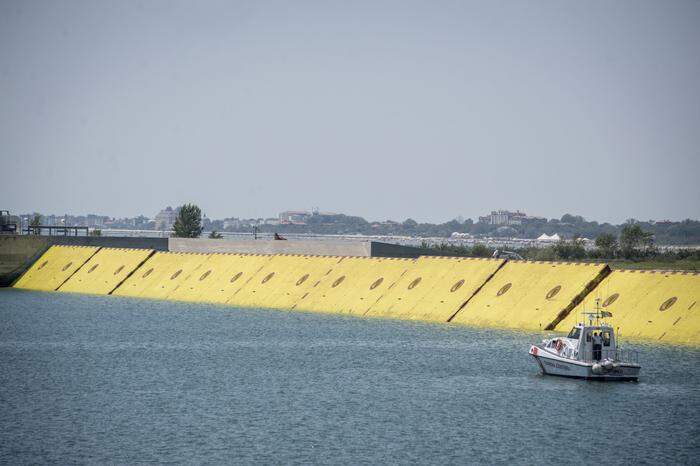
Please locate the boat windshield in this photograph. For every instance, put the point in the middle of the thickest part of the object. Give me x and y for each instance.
(575, 333)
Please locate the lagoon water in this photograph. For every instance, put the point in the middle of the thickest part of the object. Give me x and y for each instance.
(87, 379)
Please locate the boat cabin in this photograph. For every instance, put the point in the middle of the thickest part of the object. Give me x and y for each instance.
(595, 342)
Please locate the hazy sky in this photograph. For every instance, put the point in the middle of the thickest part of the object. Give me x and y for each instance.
(391, 110)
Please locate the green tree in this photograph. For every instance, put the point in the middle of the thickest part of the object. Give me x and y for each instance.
(570, 249)
(96, 232)
(189, 222)
(634, 240)
(215, 235)
(35, 222)
(481, 250)
(606, 244)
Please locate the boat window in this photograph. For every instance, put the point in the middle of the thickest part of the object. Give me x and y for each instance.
(606, 338)
(588, 337)
(575, 333)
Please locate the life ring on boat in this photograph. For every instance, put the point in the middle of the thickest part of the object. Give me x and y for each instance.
(559, 345)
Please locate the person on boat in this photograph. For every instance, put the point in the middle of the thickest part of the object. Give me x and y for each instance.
(597, 345)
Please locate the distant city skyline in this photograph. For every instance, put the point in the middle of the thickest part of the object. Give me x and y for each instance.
(496, 224)
(428, 110)
(492, 216)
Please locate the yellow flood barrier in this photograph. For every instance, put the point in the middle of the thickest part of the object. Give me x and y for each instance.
(219, 277)
(530, 295)
(54, 267)
(160, 275)
(354, 284)
(659, 305)
(105, 270)
(435, 288)
(285, 279)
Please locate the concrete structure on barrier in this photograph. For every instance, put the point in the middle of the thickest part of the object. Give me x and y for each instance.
(18, 252)
(481, 292)
(312, 247)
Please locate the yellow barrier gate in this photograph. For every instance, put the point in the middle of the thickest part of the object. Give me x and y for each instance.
(219, 277)
(530, 295)
(659, 305)
(54, 267)
(105, 270)
(375, 279)
(286, 278)
(160, 275)
(344, 284)
(435, 288)
(482, 292)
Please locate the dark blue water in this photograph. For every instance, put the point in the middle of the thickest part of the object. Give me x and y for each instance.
(88, 379)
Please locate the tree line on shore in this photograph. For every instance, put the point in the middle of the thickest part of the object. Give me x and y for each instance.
(686, 232)
(568, 226)
(633, 244)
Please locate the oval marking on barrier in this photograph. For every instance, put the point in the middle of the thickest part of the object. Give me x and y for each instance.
(668, 303)
(176, 274)
(236, 277)
(376, 283)
(302, 279)
(457, 286)
(43, 265)
(204, 275)
(414, 283)
(338, 281)
(148, 272)
(268, 277)
(92, 269)
(504, 289)
(553, 292)
(610, 299)
(65, 267)
(119, 269)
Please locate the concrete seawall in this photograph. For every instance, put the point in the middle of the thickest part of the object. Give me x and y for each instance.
(311, 247)
(321, 248)
(480, 292)
(17, 253)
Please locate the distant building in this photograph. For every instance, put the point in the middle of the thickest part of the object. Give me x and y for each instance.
(96, 220)
(232, 223)
(503, 217)
(506, 217)
(294, 216)
(166, 218)
(206, 222)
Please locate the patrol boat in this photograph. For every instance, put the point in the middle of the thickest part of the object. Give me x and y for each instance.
(588, 352)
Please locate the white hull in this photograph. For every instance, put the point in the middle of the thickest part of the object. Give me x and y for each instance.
(552, 364)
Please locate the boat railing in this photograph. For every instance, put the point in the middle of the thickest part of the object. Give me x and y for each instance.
(617, 355)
